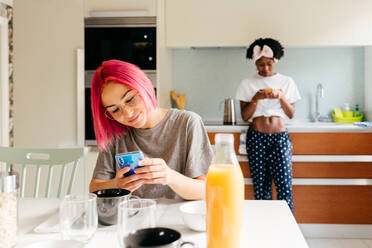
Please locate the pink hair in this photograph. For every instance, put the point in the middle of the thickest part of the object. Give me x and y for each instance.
(120, 72)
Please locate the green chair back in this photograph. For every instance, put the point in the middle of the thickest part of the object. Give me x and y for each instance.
(43, 157)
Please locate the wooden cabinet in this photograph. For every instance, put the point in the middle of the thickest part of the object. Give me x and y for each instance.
(332, 143)
(295, 23)
(327, 192)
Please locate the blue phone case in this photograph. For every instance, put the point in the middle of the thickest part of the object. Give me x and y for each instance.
(129, 159)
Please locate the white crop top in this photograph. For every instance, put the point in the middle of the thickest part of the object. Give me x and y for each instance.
(268, 107)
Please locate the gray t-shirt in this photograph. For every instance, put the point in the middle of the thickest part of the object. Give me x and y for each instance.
(180, 139)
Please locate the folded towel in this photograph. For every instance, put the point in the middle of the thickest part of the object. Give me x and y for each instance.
(363, 124)
(338, 112)
(242, 145)
(51, 225)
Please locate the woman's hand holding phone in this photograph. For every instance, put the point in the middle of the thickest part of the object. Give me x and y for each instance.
(154, 171)
(130, 183)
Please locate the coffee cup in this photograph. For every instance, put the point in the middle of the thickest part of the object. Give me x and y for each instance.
(107, 204)
(155, 237)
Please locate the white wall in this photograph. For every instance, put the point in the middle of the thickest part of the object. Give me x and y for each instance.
(46, 36)
(164, 60)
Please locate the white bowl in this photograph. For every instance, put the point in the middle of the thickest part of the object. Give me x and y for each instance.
(194, 215)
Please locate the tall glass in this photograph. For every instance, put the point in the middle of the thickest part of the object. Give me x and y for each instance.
(78, 217)
(133, 215)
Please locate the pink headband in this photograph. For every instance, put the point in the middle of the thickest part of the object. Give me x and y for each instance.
(264, 52)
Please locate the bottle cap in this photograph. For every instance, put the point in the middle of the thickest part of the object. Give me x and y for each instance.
(8, 183)
(224, 138)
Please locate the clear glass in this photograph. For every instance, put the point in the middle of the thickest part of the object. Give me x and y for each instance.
(346, 107)
(134, 215)
(78, 217)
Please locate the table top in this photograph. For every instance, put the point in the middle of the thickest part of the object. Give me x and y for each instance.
(266, 224)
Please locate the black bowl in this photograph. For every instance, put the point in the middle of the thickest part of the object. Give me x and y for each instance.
(107, 204)
(111, 192)
(153, 237)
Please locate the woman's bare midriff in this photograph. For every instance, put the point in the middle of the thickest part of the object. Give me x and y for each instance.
(271, 124)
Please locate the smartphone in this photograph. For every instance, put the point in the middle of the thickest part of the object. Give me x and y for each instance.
(129, 159)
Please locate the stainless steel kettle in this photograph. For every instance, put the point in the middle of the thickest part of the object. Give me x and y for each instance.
(229, 112)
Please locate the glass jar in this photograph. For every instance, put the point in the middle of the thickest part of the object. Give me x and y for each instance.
(8, 209)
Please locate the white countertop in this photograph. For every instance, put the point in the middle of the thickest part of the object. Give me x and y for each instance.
(266, 224)
(293, 127)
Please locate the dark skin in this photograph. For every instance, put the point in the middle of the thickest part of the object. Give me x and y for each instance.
(271, 124)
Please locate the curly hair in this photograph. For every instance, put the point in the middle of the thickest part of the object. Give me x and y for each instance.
(277, 48)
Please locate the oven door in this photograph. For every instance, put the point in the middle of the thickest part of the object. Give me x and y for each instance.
(136, 45)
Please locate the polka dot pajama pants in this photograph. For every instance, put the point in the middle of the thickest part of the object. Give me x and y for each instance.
(270, 158)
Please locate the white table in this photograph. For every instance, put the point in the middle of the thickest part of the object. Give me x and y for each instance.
(266, 224)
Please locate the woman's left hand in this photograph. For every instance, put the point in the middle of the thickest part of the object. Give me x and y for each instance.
(155, 171)
(280, 93)
(277, 93)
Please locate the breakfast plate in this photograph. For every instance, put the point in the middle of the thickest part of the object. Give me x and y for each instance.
(56, 244)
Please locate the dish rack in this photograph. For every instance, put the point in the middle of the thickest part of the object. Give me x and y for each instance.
(347, 117)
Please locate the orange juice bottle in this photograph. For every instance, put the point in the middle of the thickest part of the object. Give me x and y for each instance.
(224, 196)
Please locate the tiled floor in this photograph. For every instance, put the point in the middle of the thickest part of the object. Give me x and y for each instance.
(339, 243)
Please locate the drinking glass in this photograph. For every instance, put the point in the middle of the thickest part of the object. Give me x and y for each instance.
(78, 217)
(133, 215)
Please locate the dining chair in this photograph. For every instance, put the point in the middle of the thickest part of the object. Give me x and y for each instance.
(38, 158)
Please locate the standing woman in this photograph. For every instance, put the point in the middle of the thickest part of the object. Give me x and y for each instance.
(127, 118)
(268, 98)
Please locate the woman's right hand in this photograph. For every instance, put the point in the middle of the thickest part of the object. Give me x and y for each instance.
(130, 183)
(259, 96)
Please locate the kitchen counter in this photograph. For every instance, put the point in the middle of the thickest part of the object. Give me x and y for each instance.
(292, 127)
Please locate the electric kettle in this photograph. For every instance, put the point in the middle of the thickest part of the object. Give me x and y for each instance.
(229, 112)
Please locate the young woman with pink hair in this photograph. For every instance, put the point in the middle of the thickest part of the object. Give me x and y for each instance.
(126, 118)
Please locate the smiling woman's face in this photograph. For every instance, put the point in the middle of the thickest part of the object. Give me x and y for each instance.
(124, 105)
(265, 66)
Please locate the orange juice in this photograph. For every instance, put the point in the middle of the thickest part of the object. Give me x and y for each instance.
(225, 202)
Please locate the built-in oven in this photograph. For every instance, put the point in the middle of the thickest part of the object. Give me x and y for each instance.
(131, 39)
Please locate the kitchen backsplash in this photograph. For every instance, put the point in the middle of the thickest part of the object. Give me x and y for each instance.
(209, 75)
